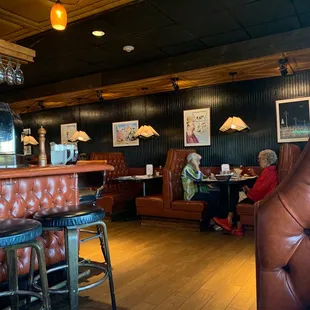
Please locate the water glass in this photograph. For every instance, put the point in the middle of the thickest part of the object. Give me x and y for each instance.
(19, 75)
(2, 72)
(10, 74)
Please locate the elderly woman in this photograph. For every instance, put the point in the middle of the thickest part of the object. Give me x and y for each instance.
(193, 190)
(264, 185)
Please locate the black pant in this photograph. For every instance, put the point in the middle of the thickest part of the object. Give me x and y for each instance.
(212, 198)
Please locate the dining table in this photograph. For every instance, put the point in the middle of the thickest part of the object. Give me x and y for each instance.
(238, 181)
(139, 178)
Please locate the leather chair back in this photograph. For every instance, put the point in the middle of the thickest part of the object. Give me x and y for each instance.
(120, 169)
(172, 184)
(22, 198)
(282, 242)
(288, 156)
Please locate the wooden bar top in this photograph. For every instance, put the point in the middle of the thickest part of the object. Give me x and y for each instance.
(29, 172)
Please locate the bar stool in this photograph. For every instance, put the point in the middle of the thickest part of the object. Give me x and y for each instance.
(17, 234)
(72, 219)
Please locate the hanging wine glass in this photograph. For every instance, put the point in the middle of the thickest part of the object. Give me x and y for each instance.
(10, 74)
(2, 71)
(19, 75)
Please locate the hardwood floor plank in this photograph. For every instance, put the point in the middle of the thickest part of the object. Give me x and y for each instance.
(171, 303)
(198, 300)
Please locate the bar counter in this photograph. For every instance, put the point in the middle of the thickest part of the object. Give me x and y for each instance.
(24, 191)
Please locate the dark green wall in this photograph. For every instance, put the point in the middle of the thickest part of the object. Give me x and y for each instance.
(253, 101)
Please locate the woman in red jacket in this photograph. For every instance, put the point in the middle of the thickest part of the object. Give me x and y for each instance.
(264, 185)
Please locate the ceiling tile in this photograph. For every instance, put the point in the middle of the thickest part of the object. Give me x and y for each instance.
(263, 11)
(214, 24)
(184, 47)
(167, 36)
(91, 55)
(234, 3)
(302, 6)
(147, 56)
(226, 38)
(139, 18)
(181, 10)
(266, 29)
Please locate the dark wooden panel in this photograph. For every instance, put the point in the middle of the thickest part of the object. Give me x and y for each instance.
(253, 101)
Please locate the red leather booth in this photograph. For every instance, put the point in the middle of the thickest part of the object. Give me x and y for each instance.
(117, 195)
(282, 230)
(170, 203)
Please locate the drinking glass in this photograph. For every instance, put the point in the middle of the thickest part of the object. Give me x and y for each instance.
(19, 75)
(10, 74)
(2, 71)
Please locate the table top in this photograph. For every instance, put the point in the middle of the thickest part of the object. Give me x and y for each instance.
(138, 177)
(231, 181)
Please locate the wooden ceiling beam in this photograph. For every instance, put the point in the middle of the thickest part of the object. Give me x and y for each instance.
(16, 52)
(228, 54)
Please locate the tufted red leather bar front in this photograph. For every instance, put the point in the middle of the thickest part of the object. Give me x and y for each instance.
(24, 191)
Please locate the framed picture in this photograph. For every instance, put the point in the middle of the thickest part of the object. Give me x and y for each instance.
(293, 120)
(123, 133)
(197, 127)
(27, 148)
(66, 131)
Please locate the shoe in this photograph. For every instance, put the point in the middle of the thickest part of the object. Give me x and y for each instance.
(237, 232)
(223, 223)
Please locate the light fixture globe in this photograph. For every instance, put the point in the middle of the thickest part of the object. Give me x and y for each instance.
(58, 16)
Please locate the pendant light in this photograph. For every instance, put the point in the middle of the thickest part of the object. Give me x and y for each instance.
(79, 135)
(234, 124)
(145, 131)
(58, 16)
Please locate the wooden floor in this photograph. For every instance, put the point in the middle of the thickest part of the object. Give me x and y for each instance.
(163, 269)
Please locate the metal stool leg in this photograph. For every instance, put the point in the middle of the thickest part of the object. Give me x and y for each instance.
(30, 278)
(42, 268)
(13, 277)
(72, 255)
(102, 245)
(108, 261)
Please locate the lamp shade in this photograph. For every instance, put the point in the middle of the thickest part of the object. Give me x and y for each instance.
(146, 132)
(30, 140)
(80, 136)
(58, 16)
(234, 124)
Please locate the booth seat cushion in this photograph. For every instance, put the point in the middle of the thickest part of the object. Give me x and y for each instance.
(152, 202)
(192, 206)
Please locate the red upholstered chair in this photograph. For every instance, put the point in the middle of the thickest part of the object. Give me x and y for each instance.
(288, 156)
(282, 232)
(170, 203)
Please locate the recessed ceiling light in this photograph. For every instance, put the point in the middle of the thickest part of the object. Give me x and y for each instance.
(98, 33)
(128, 48)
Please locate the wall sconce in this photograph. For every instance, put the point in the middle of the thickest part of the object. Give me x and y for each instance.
(80, 135)
(234, 124)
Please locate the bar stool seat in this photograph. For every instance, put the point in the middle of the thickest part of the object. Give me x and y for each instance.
(72, 216)
(16, 231)
(73, 219)
(17, 234)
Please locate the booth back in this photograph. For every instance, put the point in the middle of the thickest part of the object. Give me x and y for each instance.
(288, 156)
(282, 242)
(120, 169)
(172, 183)
(22, 198)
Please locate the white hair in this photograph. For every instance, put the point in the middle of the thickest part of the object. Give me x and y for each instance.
(269, 156)
(190, 157)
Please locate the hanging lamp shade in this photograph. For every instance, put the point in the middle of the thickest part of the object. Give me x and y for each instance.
(58, 16)
(30, 140)
(146, 132)
(80, 136)
(234, 124)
